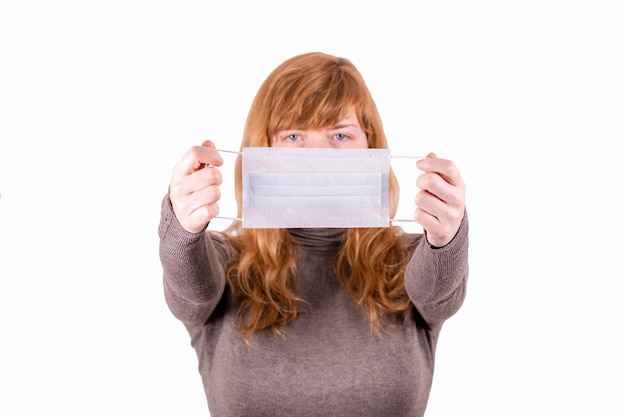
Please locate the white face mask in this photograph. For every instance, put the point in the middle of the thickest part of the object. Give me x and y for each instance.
(315, 187)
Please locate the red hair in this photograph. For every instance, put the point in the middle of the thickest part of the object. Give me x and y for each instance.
(314, 90)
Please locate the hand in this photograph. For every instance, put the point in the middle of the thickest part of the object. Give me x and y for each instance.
(194, 188)
(441, 199)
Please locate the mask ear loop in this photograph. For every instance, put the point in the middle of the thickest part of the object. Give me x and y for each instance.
(235, 219)
(224, 150)
(239, 219)
(404, 157)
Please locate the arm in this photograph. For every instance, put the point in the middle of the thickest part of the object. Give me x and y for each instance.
(192, 270)
(436, 278)
(193, 275)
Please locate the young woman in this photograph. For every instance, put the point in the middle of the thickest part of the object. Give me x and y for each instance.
(312, 321)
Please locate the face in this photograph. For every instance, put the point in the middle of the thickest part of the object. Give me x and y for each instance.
(345, 134)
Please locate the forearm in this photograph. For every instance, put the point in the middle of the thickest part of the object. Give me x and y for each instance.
(193, 276)
(436, 278)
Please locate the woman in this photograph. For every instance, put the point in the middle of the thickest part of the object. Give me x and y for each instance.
(306, 322)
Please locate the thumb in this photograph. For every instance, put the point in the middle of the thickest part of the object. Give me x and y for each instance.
(208, 144)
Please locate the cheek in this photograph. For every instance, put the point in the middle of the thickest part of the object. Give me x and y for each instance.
(361, 142)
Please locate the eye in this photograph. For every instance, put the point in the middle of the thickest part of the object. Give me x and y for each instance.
(292, 137)
(341, 136)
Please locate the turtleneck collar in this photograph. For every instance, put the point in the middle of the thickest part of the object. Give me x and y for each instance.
(318, 239)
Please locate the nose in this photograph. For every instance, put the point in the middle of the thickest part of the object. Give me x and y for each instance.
(317, 139)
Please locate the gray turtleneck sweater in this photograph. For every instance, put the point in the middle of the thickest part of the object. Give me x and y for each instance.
(328, 363)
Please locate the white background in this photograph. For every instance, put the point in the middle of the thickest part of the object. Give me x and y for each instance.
(99, 100)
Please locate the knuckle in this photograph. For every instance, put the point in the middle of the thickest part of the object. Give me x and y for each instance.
(448, 165)
(215, 176)
(175, 189)
(214, 193)
(429, 180)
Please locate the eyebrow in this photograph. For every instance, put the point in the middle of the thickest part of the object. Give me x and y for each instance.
(343, 126)
(338, 126)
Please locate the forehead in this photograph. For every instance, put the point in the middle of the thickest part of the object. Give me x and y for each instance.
(347, 120)
(310, 113)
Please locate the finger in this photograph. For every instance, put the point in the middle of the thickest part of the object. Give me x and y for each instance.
(211, 145)
(204, 214)
(197, 220)
(430, 203)
(439, 233)
(205, 197)
(197, 209)
(443, 190)
(445, 168)
(208, 176)
(439, 222)
(426, 219)
(208, 144)
(181, 187)
(198, 157)
(445, 213)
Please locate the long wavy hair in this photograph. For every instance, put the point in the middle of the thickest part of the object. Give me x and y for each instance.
(314, 90)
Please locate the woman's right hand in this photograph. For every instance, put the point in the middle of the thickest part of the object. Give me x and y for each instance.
(194, 188)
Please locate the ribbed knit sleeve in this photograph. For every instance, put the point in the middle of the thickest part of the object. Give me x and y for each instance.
(436, 278)
(193, 275)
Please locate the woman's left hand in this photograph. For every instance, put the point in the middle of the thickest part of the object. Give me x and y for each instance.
(441, 199)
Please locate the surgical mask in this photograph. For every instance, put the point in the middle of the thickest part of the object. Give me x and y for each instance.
(315, 187)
